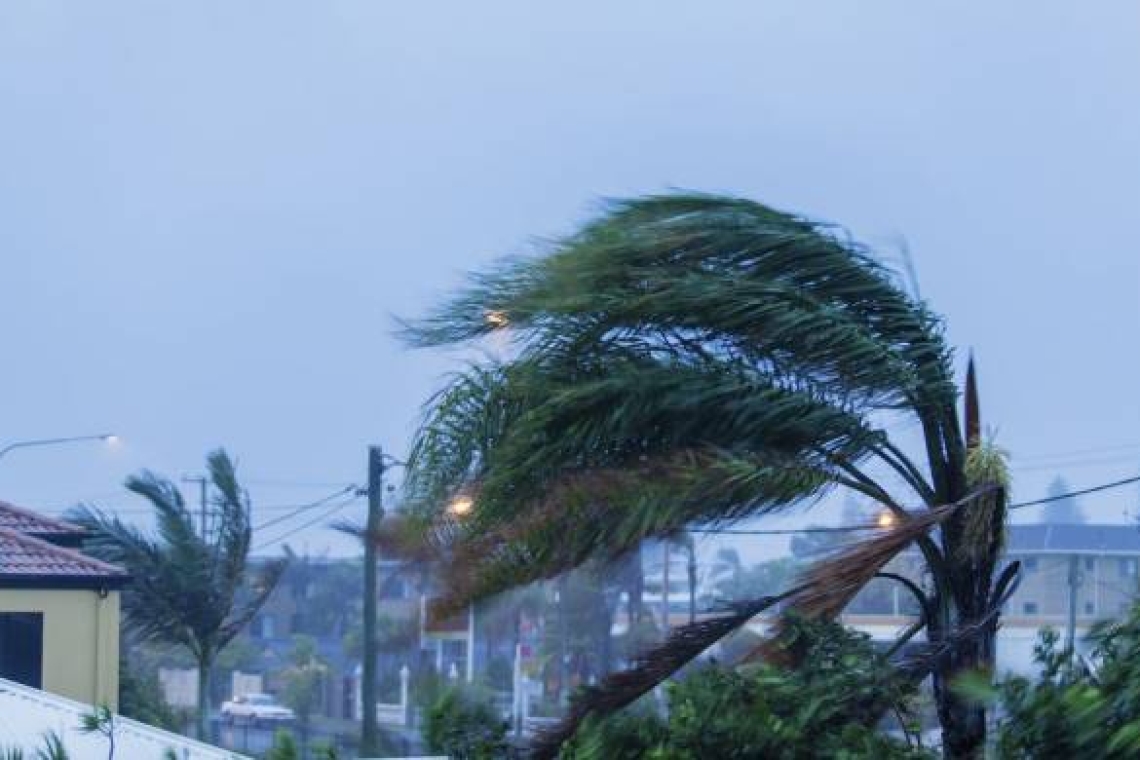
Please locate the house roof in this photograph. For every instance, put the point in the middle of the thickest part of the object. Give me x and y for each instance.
(1074, 538)
(30, 562)
(31, 524)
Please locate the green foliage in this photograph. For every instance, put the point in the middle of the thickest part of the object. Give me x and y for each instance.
(1068, 712)
(465, 726)
(324, 752)
(53, 748)
(186, 588)
(304, 679)
(141, 697)
(100, 721)
(825, 709)
(284, 747)
(682, 358)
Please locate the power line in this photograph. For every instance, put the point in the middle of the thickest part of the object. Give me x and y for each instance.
(1081, 492)
(304, 526)
(854, 528)
(304, 508)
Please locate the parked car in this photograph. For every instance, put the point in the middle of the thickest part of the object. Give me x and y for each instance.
(256, 709)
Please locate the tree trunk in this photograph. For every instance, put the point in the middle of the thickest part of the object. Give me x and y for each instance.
(204, 684)
(963, 722)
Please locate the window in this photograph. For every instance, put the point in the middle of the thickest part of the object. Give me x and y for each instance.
(1029, 608)
(1090, 608)
(22, 647)
(1029, 563)
(1128, 568)
(1090, 563)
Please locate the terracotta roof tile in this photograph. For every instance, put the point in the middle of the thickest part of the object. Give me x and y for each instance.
(28, 522)
(29, 561)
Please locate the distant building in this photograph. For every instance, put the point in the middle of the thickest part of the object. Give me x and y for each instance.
(1093, 570)
(59, 610)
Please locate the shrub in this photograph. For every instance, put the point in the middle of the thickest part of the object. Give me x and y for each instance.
(826, 708)
(465, 727)
(1069, 711)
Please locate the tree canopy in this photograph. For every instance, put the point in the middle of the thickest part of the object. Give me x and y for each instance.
(691, 359)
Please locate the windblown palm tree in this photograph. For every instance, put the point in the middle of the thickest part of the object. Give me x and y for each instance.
(186, 589)
(698, 360)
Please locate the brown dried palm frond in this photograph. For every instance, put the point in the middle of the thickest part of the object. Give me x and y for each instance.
(830, 585)
(398, 536)
(617, 690)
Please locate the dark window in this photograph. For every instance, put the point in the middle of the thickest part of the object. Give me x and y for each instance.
(1030, 563)
(22, 647)
(1090, 563)
(1029, 608)
(1089, 608)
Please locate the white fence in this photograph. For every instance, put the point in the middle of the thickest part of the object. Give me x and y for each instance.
(27, 714)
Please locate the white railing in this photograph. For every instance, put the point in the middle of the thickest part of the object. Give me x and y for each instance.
(27, 714)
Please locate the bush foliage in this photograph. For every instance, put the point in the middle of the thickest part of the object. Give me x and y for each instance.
(827, 708)
(1086, 707)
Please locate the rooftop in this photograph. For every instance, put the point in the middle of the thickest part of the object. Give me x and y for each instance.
(30, 562)
(1074, 538)
(31, 524)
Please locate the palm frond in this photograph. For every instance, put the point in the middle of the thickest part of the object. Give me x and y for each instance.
(608, 512)
(668, 264)
(651, 668)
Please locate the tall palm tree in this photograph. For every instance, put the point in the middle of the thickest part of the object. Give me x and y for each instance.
(692, 359)
(187, 589)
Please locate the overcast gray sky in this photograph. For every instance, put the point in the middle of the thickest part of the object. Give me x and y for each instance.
(209, 211)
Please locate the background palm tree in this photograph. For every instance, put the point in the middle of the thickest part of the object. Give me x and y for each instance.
(187, 589)
(692, 359)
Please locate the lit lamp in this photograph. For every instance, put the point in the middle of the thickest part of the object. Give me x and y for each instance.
(108, 438)
(460, 506)
(886, 520)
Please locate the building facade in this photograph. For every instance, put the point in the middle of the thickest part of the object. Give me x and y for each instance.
(59, 610)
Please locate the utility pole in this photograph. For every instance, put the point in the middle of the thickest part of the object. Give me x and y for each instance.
(202, 498)
(369, 734)
(1074, 579)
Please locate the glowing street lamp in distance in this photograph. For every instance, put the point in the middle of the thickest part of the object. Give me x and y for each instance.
(108, 438)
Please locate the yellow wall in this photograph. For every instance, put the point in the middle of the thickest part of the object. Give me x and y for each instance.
(81, 640)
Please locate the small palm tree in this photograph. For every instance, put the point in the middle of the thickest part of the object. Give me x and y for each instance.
(186, 588)
(692, 360)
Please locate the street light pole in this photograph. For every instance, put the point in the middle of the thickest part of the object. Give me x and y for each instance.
(106, 437)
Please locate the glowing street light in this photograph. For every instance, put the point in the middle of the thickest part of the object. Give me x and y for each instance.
(497, 319)
(460, 506)
(109, 438)
(886, 520)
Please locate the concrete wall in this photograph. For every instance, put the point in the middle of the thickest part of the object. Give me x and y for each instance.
(81, 641)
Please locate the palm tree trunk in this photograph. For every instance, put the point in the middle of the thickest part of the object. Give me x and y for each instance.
(204, 683)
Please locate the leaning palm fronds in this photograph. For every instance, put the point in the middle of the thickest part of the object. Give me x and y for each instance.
(829, 585)
(688, 322)
(607, 512)
(618, 690)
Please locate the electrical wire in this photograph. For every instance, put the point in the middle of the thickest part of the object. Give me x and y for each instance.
(304, 508)
(853, 528)
(306, 525)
